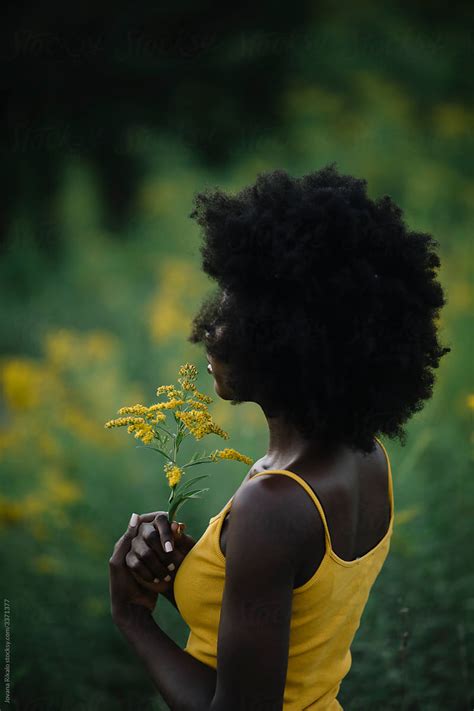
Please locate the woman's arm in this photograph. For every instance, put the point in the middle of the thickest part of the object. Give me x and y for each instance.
(253, 637)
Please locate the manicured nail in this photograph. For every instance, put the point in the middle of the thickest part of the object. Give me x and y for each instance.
(168, 578)
(168, 546)
(171, 566)
(156, 580)
(133, 520)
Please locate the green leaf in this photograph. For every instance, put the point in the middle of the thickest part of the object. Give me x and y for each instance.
(192, 481)
(196, 494)
(189, 494)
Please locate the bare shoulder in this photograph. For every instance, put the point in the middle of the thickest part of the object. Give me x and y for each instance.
(268, 510)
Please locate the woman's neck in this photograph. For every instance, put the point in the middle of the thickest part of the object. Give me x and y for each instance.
(285, 443)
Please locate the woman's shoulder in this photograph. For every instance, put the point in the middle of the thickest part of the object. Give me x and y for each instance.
(274, 505)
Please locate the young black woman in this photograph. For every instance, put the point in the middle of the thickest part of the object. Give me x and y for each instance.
(324, 315)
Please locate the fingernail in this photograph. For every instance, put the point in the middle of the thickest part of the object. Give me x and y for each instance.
(171, 566)
(168, 578)
(133, 520)
(156, 580)
(168, 546)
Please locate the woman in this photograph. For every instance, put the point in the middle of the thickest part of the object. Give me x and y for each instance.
(324, 315)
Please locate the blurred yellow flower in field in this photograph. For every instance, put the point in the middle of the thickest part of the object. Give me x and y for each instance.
(77, 421)
(168, 320)
(46, 564)
(10, 439)
(21, 383)
(180, 283)
(453, 120)
(459, 296)
(60, 489)
(10, 511)
(65, 347)
(34, 504)
(470, 401)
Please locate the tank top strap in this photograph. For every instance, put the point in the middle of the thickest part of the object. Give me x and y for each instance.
(309, 490)
(390, 480)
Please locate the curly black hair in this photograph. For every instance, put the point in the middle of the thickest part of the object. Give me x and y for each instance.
(326, 304)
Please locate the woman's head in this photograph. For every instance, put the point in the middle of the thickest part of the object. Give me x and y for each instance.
(325, 307)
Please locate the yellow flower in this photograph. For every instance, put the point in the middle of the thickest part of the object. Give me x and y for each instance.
(163, 389)
(188, 371)
(133, 410)
(171, 404)
(174, 394)
(200, 423)
(142, 431)
(155, 418)
(230, 454)
(197, 405)
(202, 397)
(121, 421)
(173, 473)
(158, 406)
(470, 401)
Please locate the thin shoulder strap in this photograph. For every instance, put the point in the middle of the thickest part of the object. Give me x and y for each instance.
(390, 481)
(308, 490)
(315, 499)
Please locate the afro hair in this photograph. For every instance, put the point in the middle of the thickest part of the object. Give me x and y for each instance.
(325, 307)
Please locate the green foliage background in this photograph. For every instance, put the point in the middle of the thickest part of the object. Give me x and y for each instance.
(95, 311)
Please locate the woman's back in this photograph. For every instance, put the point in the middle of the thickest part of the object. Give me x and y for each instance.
(326, 607)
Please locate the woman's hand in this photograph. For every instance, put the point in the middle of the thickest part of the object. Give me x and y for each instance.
(128, 599)
(149, 559)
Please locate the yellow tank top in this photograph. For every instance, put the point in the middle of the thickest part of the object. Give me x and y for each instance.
(325, 616)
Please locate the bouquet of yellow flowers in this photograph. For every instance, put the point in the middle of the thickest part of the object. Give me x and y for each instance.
(189, 410)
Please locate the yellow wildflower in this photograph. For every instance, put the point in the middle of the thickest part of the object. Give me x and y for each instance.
(230, 454)
(197, 405)
(470, 401)
(173, 473)
(163, 389)
(202, 397)
(174, 394)
(133, 410)
(187, 385)
(200, 423)
(155, 418)
(158, 406)
(188, 371)
(121, 421)
(172, 404)
(142, 431)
